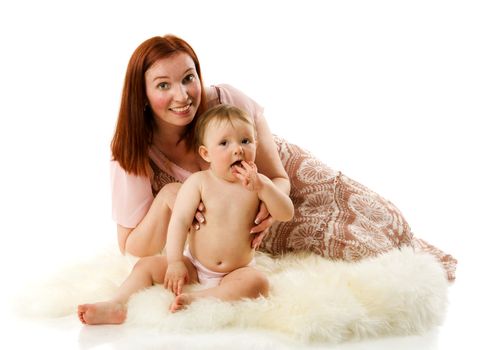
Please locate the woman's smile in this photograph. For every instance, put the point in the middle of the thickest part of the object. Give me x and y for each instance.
(181, 110)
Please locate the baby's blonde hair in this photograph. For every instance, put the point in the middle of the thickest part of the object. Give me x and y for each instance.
(219, 113)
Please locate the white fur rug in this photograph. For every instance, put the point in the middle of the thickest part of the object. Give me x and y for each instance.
(311, 299)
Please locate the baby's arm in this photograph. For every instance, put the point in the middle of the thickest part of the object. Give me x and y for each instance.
(185, 207)
(278, 203)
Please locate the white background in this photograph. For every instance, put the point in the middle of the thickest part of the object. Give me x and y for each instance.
(388, 92)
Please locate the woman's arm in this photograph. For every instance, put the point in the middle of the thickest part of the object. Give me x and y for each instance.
(267, 157)
(122, 234)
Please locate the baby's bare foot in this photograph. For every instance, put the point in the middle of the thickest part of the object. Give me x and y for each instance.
(181, 301)
(102, 313)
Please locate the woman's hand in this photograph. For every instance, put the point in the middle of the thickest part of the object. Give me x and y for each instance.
(199, 217)
(263, 222)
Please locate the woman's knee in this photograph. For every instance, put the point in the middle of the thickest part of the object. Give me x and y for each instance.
(152, 267)
(148, 263)
(168, 194)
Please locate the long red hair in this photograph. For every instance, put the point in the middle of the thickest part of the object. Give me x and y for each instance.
(135, 124)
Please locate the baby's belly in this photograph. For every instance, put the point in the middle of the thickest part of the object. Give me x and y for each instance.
(221, 252)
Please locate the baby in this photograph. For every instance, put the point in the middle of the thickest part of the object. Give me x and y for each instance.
(219, 255)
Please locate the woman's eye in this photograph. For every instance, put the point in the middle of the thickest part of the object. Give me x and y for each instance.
(189, 78)
(163, 86)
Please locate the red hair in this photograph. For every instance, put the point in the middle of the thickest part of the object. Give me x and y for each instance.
(135, 124)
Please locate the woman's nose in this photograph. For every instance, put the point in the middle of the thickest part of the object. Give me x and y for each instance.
(180, 93)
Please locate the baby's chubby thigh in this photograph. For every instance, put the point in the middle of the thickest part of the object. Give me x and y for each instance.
(246, 281)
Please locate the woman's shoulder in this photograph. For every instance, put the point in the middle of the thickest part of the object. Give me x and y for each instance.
(229, 92)
(230, 95)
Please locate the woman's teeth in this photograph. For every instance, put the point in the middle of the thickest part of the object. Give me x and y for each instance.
(180, 109)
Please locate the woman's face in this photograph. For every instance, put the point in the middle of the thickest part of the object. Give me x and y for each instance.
(173, 90)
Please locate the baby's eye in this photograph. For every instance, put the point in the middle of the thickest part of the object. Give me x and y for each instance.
(163, 86)
(223, 143)
(246, 141)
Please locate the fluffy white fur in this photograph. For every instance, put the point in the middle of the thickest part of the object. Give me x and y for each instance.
(311, 298)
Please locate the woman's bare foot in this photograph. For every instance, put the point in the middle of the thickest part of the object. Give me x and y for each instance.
(181, 301)
(102, 313)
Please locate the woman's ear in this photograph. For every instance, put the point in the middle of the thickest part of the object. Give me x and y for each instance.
(203, 152)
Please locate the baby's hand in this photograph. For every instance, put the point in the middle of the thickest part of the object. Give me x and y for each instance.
(248, 174)
(176, 276)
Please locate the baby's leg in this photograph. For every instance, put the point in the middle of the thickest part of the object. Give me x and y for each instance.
(245, 282)
(145, 273)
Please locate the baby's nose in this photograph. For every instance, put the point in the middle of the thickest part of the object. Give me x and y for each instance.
(238, 150)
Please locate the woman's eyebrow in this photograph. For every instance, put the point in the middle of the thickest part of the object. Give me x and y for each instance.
(166, 77)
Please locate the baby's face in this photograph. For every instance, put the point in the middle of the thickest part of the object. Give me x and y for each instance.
(229, 144)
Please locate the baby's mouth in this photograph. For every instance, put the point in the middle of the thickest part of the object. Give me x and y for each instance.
(237, 163)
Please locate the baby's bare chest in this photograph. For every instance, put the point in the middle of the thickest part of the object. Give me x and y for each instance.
(230, 204)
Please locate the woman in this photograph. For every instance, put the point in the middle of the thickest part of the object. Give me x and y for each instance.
(152, 153)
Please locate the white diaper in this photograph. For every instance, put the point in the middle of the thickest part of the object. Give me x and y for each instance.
(207, 277)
